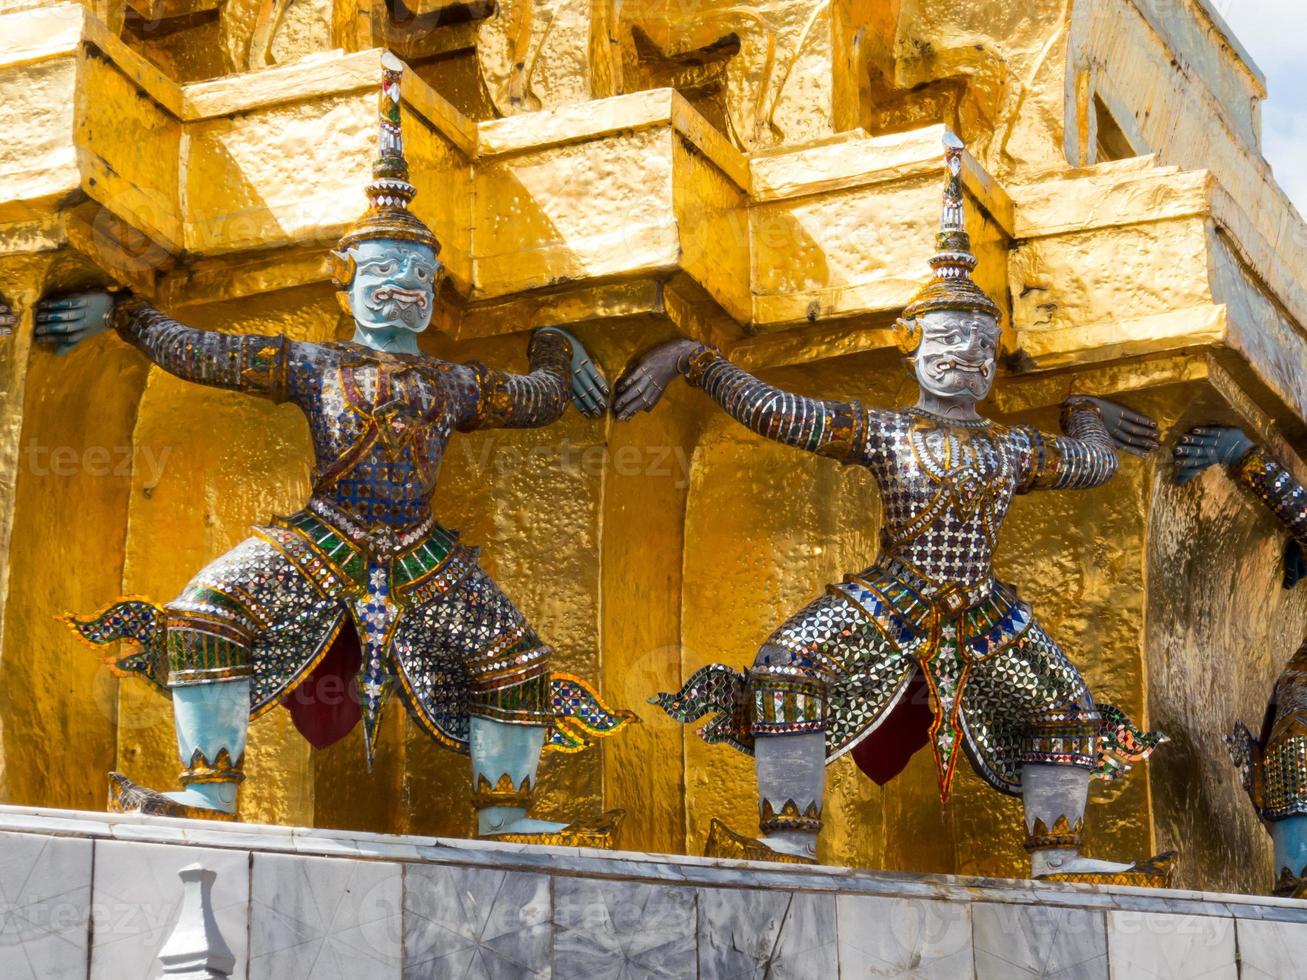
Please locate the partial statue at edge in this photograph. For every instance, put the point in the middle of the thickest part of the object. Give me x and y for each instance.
(362, 584)
(846, 673)
(1272, 764)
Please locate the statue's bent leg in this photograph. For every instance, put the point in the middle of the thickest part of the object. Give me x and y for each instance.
(789, 730)
(476, 673)
(504, 762)
(1057, 759)
(209, 673)
(1271, 769)
(785, 711)
(212, 631)
(212, 721)
(1034, 729)
(510, 716)
(1059, 753)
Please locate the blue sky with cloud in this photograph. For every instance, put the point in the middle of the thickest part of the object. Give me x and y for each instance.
(1274, 32)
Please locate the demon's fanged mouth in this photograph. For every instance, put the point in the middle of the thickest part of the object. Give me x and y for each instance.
(945, 364)
(404, 297)
(394, 303)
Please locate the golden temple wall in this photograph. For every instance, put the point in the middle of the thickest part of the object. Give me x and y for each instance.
(650, 170)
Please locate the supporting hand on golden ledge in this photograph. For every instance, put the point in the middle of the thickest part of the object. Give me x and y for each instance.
(643, 383)
(68, 320)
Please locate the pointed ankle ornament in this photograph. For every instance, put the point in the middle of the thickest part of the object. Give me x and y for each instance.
(221, 770)
(726, 843)
(502, 793)
(789, 817)
(126, 796)
(1063, 834)
(602, 834)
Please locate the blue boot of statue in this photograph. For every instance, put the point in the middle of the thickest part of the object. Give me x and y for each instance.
(504, 762)
(1289, 838)
(212, 721)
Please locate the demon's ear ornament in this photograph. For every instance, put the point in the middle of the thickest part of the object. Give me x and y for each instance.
(907, 332)
(342, 274)
(342, 268)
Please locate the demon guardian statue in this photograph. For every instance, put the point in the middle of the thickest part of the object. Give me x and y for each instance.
(362, 583)
(840, 675)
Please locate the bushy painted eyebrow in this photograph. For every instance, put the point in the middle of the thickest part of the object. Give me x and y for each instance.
(936, 328)
(378, 259)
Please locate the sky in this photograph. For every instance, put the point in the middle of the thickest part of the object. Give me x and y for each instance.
(1274, 32)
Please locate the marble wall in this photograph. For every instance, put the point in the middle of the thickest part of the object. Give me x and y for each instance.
(87, 895)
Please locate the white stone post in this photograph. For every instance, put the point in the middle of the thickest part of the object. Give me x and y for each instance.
(196, 950)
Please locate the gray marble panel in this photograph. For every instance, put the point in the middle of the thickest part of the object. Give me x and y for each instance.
(1018, 941)
(476, 922)
(900, 937)
(45, 901)
(751, 935)
(325, 919)
(1271, 950)
(621, 929)
(1162, 946)
(137, 896)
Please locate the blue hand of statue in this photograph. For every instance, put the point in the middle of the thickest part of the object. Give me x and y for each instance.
(589, 386)
(1295, 564)
(1207, 445)
(66, 321)
(8, 319)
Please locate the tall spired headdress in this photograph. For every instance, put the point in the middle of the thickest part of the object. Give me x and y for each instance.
(951, 286)
(389, 193)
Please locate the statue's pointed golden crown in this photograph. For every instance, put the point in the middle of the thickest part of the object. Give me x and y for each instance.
(951, 286)
(390, 192)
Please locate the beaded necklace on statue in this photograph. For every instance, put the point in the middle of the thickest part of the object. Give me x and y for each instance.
(965, 464)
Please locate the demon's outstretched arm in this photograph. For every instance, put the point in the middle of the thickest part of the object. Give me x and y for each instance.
(240, 362)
